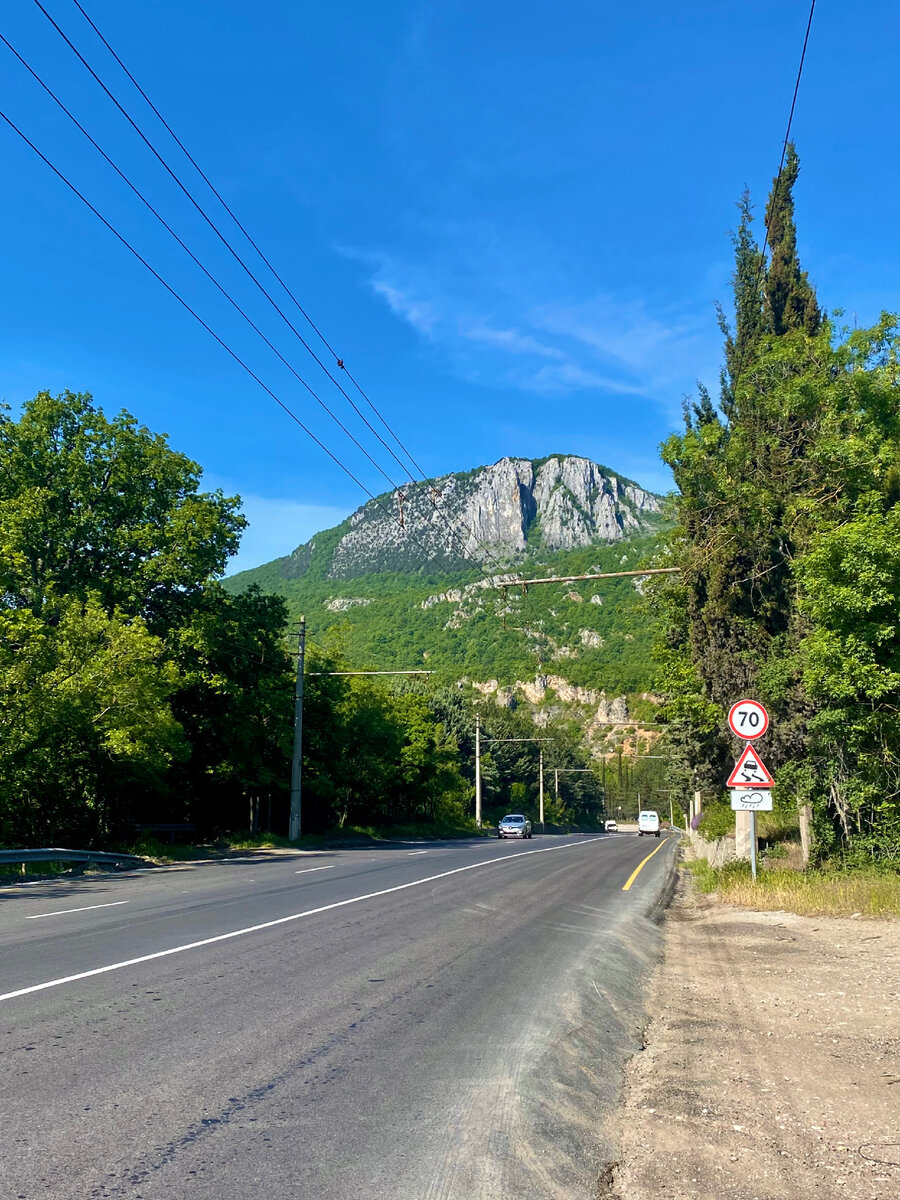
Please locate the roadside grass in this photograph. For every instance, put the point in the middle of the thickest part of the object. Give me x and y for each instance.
(809, 893)
(20, 872)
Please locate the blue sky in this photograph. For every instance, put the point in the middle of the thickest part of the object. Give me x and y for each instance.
(510, 220)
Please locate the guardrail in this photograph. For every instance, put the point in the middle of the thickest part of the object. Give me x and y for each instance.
(58, 854)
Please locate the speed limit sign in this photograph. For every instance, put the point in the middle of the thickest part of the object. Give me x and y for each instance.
(748, 720)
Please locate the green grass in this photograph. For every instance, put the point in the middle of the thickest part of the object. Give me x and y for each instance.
(16, 873)
(809, 893)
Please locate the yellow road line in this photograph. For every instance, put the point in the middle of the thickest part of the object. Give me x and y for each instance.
(637, 870)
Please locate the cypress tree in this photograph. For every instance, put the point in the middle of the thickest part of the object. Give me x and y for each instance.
(747, 281)
(790, 301)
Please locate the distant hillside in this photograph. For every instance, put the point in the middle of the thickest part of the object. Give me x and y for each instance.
(368, 590)
(498, 516)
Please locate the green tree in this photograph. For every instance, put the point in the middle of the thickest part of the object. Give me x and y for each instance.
(87, 725)
(132, 683)
(104, 506)
(790, 300)
(801, 462)
(235, 704)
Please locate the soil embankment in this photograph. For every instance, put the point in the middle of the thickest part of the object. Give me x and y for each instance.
(771, 1067)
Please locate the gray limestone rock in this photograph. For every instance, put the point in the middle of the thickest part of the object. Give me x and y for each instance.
(490, 515)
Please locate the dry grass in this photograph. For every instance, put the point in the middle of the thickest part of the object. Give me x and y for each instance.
(809, 893)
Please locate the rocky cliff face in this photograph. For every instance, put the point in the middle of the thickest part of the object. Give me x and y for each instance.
(493, 514)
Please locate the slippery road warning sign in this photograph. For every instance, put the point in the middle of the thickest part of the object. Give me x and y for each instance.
(748, 719)
(750, 771)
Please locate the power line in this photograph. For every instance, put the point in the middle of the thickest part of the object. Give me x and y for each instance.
(225, 242)
(338, 360)
(209, 221)
(596, 575)
(787, 135)
(172, 292)
(223, 291)
(453, 532)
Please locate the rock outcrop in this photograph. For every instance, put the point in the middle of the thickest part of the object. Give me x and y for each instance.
(491, 515)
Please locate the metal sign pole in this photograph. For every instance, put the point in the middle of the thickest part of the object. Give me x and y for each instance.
(753, 844)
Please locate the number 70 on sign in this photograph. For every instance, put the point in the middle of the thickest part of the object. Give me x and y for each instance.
(748, 719)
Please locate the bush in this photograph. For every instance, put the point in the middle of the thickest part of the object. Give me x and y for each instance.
(716, 820)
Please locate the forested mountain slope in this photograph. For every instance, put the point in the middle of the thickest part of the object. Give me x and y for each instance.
(367, 588)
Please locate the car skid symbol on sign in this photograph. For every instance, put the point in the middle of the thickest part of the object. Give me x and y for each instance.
(750, 773)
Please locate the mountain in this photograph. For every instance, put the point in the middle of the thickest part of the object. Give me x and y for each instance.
(494, 515)
(406, 597)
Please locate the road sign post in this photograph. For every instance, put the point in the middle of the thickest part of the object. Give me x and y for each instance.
(751, 780)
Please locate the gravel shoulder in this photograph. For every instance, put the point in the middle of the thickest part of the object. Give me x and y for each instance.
(771, 1064)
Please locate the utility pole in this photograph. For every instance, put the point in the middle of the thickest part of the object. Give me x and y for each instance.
(294, 824)
(541, 768)
(542, 788)
(478, 770)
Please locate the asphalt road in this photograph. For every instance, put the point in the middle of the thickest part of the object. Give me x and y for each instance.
(412, 1023)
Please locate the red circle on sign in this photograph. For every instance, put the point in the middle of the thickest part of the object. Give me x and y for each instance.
(748, 719)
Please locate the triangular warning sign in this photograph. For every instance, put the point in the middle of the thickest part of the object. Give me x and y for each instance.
(750, 771)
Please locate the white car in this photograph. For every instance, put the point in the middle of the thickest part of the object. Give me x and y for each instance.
(611, 827)
(648, 822)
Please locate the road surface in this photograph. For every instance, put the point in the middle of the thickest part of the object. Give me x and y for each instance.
(440, 1022)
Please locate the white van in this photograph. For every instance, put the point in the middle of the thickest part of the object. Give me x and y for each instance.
(648, 822)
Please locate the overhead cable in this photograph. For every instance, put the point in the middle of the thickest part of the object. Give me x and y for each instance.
(184, 304)
(454, 533)
(339, 361)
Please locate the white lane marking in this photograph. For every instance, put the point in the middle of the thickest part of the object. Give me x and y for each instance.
(412, 852)
(306, 870)
(88, 908)
(309, 912)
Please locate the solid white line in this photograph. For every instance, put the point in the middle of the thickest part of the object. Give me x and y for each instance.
(412, 852)
(309, 912)
(306, 870)
(62, 911)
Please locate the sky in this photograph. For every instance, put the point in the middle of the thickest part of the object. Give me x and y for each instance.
(511, 222)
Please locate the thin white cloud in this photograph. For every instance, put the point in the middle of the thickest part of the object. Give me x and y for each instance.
(276, 527)
(418, 313)
(622, 332)
(569, 376)
(510, 339)
(502, 318)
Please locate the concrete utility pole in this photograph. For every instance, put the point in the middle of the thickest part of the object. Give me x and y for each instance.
(541, 759)
(541, 768)
(478, 770)
(294, 824)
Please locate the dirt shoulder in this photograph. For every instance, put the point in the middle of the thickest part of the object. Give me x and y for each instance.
(771, 1067)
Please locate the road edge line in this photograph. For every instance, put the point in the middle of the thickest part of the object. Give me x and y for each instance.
(637, 870)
